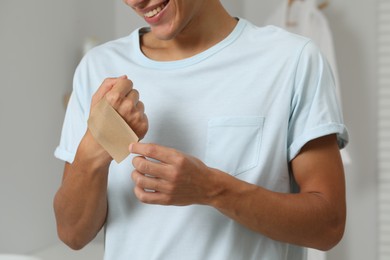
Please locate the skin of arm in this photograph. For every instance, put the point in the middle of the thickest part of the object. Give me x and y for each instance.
(80, 204)
(314, 217)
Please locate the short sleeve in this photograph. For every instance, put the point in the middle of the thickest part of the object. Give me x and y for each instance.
(315, 110)
(75, 122)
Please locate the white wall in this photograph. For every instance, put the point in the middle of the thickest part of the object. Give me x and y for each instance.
(355, 40)
(40, 45)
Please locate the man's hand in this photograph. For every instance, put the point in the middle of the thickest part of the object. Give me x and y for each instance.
(121, 95)
(175, 179)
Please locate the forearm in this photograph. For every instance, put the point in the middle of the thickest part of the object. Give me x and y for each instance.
(81, 202)
(305, 219)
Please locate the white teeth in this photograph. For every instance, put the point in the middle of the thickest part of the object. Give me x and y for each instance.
(155, 11)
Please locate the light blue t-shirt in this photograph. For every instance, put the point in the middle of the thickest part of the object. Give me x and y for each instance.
(245, 106)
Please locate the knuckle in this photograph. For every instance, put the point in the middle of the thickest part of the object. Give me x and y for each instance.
(135, 161)
(127, 105)
(137, 117)
(127, 82)
(151, 150)
(135, 93)
(141, 182)
(136, 179)
(107, 81)
(140, 106)
(178, 180)
(170, 189)
(142, 197)
(157, 186)
(175, 176)
(144, 166)
(113, 97)
(179, 160)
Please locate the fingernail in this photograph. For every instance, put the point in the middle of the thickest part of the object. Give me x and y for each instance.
(123, 77)
(130, 147)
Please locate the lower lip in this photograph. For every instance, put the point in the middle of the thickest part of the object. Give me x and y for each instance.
(155, 19)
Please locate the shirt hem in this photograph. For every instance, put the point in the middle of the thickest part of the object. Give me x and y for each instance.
(339, 129)
(64, 155)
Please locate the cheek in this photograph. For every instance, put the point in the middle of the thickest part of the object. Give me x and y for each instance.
(130, 3)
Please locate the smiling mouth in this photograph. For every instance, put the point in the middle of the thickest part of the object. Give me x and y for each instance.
(156, 11)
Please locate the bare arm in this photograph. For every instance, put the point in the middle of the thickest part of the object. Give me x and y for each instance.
(80, 204)
(315, 217)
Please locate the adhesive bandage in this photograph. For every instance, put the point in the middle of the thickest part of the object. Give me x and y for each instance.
(111, 131)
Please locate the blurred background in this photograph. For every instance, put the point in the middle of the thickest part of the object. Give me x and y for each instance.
(41, 43)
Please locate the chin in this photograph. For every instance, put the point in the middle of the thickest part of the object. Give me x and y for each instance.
(163, 35)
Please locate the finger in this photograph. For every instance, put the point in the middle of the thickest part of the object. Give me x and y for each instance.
(119, 92)
(133, 95)
(135, 113)
(145, 166)
(123, 86)
(143, 127)
(131, 100)
(127, 106)
(140, 107)
(154, 151)
(146, 182)
(152, 184)
(148, 197)
(105, 87)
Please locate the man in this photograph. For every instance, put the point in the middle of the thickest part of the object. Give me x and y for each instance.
(239, 157)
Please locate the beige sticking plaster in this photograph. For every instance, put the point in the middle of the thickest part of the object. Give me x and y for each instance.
(111, 131)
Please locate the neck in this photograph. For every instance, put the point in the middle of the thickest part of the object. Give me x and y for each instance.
(202, 32)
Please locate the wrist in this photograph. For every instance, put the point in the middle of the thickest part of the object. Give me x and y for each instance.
(219, 188)
(91, 154)
(228, 192)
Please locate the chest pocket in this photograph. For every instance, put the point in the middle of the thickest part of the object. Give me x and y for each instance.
(233, 143)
